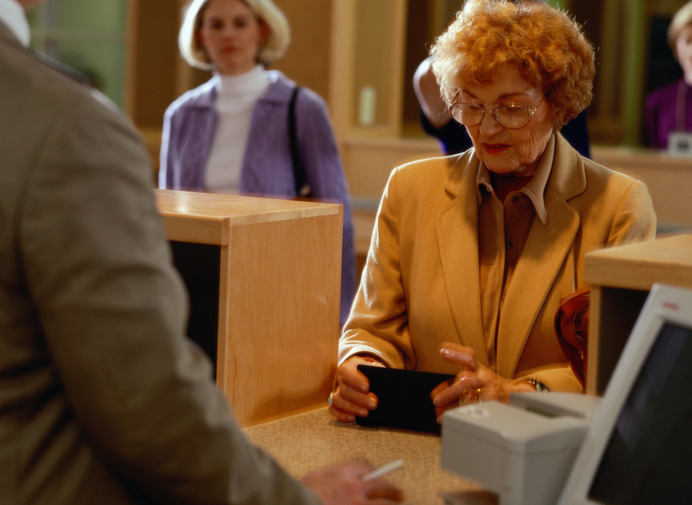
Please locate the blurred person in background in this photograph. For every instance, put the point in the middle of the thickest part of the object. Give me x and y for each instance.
(250, 129)
(669, 108)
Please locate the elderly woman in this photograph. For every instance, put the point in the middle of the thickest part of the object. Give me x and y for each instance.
(669, 108)
(438, 122)
(250, 129)
(472, 253)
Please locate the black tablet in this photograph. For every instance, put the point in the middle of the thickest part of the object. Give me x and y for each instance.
(404, 398)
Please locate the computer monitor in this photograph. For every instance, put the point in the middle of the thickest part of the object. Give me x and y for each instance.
(639, 447)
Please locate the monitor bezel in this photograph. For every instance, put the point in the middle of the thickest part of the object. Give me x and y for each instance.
(664, 305)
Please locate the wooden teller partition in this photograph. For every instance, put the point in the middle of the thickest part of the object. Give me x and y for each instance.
(620, 280)
(263, 277)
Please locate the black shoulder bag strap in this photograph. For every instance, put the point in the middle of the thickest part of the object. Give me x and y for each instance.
(302, 187)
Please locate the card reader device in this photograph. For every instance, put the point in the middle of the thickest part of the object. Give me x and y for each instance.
(523, 451)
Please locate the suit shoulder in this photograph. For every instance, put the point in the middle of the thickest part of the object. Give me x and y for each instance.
(50, 104)
(612, 185)
(596, 171)
(35, 70)
(431, 170)
(41, 85)
(62, 69)
(432, 164)
(422, 176)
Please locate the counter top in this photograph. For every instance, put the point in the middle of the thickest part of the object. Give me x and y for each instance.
(315, 440)
(666, 260)
(206, 218)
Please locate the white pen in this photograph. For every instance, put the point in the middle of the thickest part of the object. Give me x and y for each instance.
(384, 469)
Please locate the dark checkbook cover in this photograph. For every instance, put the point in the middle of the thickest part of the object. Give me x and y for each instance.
(404, 398)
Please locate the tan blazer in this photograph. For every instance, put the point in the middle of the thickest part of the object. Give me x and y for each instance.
(421, 287)
(102, 399)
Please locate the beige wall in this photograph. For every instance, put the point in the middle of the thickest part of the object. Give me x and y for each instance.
(152, 55)
(307, 59)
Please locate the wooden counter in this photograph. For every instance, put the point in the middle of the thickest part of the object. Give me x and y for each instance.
(315, 440)
(264, 283)
(368, 163)
(668, 178)
(620, 280)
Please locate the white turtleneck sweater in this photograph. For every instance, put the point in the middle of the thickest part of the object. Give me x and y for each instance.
(235, 101)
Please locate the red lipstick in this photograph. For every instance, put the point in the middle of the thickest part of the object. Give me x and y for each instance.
(495, 148)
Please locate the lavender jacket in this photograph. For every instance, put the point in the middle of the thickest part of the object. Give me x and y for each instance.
(188, 132)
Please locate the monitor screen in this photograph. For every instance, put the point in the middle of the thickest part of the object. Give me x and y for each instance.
(638, 449)
(648, 458)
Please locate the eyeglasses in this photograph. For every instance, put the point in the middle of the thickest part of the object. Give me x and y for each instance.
(511, 117)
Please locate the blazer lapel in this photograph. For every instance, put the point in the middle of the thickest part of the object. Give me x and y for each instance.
(457, 238)
(542, 258)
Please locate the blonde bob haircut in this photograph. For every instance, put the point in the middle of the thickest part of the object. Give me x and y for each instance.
(278, 32)
(546, 46)
(681, 19)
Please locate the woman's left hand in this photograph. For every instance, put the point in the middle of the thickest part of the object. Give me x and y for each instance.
(474, 382)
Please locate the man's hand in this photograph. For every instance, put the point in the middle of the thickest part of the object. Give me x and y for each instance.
(344, 485)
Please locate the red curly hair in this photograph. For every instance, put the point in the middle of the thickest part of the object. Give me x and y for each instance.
(543, 43)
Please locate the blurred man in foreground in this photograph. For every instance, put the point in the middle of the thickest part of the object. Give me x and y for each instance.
(102, 398)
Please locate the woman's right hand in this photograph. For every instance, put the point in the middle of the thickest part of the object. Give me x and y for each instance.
(352, 396)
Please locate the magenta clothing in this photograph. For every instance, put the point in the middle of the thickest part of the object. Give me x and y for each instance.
(661, 112)
(188, 133)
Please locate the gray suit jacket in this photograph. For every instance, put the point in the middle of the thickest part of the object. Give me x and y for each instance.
(102, 399)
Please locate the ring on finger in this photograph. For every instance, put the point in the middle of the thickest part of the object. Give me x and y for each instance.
(471, 395)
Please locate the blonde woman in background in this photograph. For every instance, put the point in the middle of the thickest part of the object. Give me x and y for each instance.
(233, 133)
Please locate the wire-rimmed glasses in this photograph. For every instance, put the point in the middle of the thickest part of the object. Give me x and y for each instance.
(512, 116)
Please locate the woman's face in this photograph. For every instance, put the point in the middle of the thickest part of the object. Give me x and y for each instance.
(508, 152)
(683, 47)
(231, 35)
